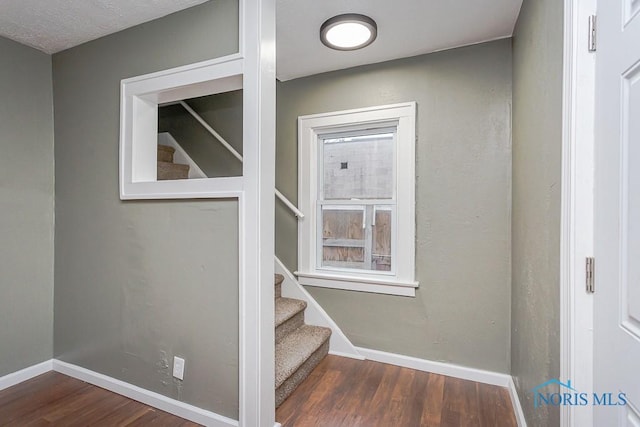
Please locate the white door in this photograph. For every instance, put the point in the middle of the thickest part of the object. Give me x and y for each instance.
(617, 212)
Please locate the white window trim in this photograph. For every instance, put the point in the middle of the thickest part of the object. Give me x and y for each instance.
(309, 129)
(139, 100)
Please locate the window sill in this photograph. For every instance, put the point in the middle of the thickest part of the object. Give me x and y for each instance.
(376, 285)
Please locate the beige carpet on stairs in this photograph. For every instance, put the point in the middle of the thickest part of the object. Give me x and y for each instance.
(167, 169)
(299, 347)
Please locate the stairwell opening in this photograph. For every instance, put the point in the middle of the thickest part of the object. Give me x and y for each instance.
(200, 137)
(170, 173)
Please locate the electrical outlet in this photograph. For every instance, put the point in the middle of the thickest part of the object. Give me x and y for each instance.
(178, 367)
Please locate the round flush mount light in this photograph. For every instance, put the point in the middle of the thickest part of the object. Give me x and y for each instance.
(350, 31)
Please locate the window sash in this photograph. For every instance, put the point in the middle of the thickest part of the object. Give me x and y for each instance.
(378, 129)
(368, 211)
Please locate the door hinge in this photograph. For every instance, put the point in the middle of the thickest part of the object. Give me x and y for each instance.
(592, 33)
(590, 276)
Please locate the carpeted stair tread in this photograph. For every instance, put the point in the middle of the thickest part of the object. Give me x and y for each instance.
(167, 170)
(286, 308)
(301, 374)
(289, 316)
(165, 153)
(294, 349)
(277, 280)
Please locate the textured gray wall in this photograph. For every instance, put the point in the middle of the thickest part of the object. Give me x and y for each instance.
(138, 282)
(224, 113)
(537, 143)
(26, 207)
(463, 191)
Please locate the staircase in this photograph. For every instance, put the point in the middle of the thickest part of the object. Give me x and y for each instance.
(299, 347)
(166, 168)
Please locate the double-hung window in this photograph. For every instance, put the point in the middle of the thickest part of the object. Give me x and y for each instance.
(356, 188)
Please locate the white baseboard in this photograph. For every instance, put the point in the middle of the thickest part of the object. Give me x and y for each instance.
(175, 407)
(451, 370)
(25, 374)
(339, 344)
(349, 355)
(448, 369)
(517, 407)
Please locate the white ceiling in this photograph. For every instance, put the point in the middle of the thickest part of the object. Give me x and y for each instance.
(405, 27)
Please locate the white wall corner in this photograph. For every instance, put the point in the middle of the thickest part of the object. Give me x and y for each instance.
(339, 344)
(156, 400)
(25, 374)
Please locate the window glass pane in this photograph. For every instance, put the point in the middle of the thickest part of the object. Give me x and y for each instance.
(358, 167)
(351, 239)
(343, 237)
(381, 250)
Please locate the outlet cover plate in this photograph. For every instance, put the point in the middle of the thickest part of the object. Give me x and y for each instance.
(178, 367)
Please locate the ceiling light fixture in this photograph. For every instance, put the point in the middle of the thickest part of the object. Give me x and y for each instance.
(350, 31)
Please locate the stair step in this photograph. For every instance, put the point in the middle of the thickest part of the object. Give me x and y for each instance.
(278, 279)
(165, 153)
(296, 356)
(289, 316)
(168, 170)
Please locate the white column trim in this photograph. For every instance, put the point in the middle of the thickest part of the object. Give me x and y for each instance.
(257, 215)
(576, 306)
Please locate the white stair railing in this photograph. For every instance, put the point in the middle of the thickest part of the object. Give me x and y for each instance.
(237, 155)
(211, 130)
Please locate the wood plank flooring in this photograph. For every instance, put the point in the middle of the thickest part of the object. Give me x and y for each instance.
(347, 392)
(340, 392)
(53, 399)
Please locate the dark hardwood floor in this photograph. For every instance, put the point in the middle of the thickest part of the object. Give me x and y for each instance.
(340, 392)
(53, 399)
(348, 392)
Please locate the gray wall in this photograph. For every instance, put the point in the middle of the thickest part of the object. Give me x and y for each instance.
(26, 207)
(537, 140)
(224, 113)
(463, 190)
(138, 282)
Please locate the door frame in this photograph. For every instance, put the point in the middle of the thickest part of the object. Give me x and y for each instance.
(577, 227)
